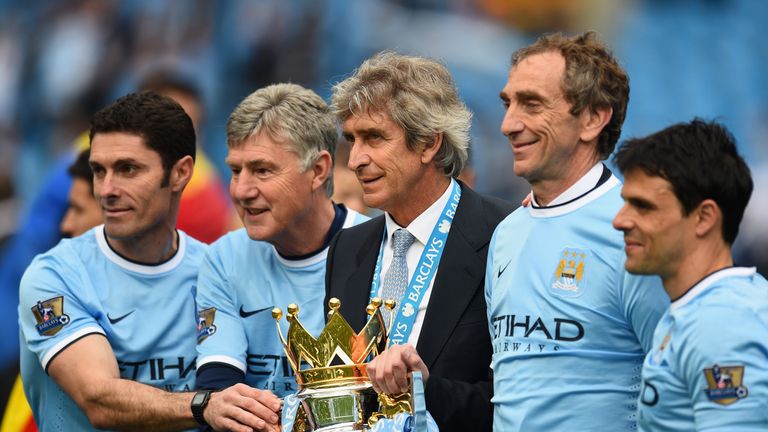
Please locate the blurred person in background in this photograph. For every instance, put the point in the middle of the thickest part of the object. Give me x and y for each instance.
(83, 213)
(206, 212)
(83, 209)
(569, 326)
(346, 188)
(685, 191)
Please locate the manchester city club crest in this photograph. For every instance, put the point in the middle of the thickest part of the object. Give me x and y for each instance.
(50, 316)
(570, 273)
(205, 326)
(725, 384)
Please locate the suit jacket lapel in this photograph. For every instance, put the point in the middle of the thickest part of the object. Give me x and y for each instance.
(358, 287)
(460, 271)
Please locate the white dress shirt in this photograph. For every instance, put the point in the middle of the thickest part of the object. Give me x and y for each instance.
(421, 228)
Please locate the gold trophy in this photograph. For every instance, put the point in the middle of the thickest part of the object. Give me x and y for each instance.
(335, 393)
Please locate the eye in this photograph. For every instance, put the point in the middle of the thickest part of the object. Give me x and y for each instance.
(97, 171)
(235, 170)
(532, 105)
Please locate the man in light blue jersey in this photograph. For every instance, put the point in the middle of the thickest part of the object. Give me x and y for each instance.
(281, 140)
(685, 192)
(108, 318)
(569, 326)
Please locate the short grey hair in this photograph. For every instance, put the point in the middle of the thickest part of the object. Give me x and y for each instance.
(418, 94)
(290, 113)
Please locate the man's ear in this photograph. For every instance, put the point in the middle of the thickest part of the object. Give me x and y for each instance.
(430, 150)
(181, 173)
(321, 169)
(709, 218)
(593, 122)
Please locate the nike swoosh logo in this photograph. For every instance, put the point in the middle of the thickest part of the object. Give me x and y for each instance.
(120, 318)
(502, 269)
(246, 314)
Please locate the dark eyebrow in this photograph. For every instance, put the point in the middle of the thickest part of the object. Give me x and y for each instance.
(527, 95)
(640, 203)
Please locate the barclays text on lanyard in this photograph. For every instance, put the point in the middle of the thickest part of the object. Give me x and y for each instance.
(425, 271)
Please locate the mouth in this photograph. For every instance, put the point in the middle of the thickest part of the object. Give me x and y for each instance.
(631, 245)
(368, 180)
(113, 212)
(520, 145)
(254, 211)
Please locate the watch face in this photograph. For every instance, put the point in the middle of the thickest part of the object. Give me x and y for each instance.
(199, 398)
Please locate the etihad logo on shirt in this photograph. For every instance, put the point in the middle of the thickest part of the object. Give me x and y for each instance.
(569, 278)
(725, 384)
(161, 372)
(205, 326)
(50, 316)
(523, 326)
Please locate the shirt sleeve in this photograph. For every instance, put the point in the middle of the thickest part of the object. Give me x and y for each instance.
(221, 335)
(644, 302)
(489, 285)
(724, 362)
(54, 306)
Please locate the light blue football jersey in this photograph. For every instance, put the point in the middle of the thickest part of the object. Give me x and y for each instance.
(240, 282)
(708, 369)
(82, 287)
(569, 326)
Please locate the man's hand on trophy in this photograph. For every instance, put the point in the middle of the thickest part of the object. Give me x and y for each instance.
(389, 370)
(243, 408)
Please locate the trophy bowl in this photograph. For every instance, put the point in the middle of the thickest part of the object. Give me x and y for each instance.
(344, 408)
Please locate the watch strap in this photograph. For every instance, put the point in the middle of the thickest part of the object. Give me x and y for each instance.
(199, 402)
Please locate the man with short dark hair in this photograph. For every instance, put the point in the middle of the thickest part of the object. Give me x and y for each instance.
(685, 191)
(108, 318)
(569, 326)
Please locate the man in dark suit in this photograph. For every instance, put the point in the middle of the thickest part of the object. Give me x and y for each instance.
(409, 133)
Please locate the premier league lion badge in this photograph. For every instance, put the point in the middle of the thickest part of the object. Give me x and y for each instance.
(50, 316)
(205, 326)
(725, 384)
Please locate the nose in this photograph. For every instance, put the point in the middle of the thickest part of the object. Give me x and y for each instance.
(67, 226)
(511, 124)
(358, 157)
(242, 187)
(621, 221)
(105, 187)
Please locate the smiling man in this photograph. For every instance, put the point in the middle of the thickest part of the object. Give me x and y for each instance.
(569, 326)
(409, 134)
(281, 140)
(685, 192)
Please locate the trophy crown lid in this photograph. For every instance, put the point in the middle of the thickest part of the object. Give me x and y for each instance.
(338, 352)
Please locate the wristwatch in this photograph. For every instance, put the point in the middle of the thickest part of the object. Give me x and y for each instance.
(199, 402)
